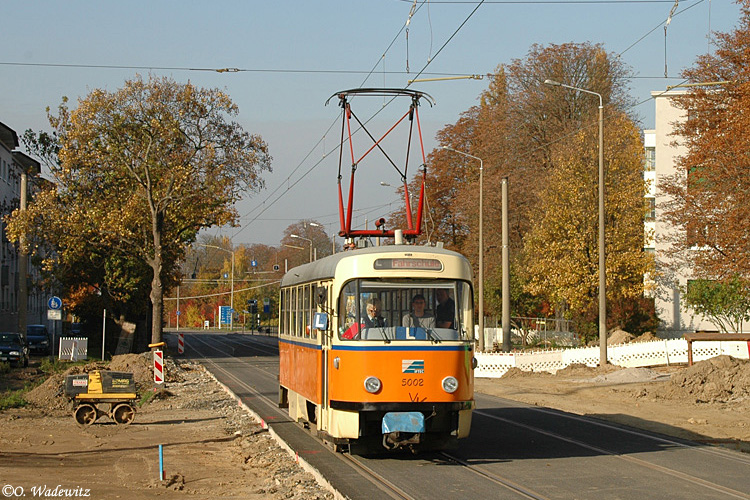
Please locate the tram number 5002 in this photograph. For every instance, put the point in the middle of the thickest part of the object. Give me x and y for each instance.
(412, 382)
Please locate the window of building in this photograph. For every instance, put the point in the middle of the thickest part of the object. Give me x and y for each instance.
(650, 209)
(650, 164)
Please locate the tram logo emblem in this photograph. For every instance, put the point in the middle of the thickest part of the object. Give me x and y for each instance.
(412, 366)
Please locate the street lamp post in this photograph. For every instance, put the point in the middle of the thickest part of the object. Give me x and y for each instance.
(602, 269)
(481, 246)
(231, 299)
(333, 236)
(306, 239)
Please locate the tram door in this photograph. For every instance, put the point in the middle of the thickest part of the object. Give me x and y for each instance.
(327, 306)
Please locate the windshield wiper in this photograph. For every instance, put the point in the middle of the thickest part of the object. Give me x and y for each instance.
(433, 338)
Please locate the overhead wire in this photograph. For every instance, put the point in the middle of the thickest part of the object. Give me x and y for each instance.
(374, 68)
(535, 2)
(369, 73)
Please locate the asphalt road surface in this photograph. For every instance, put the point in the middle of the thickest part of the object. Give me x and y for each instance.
(514, 451)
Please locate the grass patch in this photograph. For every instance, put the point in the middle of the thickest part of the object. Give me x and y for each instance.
(148, 396)
(15, 399)
(54, 365)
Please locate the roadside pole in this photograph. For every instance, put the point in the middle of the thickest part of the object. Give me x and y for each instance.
(104, 331)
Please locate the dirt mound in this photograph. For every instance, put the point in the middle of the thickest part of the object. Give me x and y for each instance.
(719, 379)
(579, 370)
(140, 365)
(627, 376)
(618, 336)
(50, 395)
(646, 337)
(517, 373)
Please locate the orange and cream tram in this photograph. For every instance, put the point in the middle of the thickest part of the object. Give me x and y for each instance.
(403, 380)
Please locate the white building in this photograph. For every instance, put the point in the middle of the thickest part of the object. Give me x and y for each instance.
(662, 151)
(12, 163)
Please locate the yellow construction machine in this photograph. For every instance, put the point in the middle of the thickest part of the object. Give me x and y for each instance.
(98, 393)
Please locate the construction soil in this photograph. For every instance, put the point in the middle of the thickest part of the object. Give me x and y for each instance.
(213, 448)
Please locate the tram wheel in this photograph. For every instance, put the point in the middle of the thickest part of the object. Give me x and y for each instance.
(85, 415)
(123, 414)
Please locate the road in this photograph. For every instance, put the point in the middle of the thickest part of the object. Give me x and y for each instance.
(514, 451)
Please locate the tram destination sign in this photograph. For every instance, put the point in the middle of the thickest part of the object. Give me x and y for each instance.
(408, 263)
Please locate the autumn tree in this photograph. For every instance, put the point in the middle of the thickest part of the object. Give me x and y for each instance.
(309, 238)
(140, 171)
(561, 249)
(708, 200)
(516, 129)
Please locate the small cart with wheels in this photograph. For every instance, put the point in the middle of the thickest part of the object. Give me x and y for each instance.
(100, 393)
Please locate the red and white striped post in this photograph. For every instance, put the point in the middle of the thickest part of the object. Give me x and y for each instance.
(181, 343)
(158, 367)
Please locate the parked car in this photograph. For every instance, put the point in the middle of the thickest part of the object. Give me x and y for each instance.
(13, 349)
(38, 339)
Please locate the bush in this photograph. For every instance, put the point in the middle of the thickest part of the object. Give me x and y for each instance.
(635, 316)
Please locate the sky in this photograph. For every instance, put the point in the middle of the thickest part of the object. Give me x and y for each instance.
(293, 55)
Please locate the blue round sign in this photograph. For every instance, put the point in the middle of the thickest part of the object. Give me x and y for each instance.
(54, 303)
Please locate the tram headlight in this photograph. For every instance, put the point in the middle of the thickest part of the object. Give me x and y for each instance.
(372, 384)
(450, 384)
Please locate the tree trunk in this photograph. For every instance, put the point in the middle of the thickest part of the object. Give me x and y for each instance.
(157, 290)
(157, 304)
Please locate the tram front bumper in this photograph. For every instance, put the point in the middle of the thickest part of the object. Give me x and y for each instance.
(402, 428)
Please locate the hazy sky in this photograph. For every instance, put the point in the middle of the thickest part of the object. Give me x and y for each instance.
(293, 55)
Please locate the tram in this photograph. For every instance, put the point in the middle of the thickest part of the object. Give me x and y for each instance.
(376, 348)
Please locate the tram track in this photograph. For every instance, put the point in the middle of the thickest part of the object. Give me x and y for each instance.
(380, 473)
(382, 483)
(499, 480)
(625, 457)
(376, 479)
(710, 450)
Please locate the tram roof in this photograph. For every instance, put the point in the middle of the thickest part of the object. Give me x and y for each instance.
(325, 268)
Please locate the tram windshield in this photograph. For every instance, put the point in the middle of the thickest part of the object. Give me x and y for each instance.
(387, 310)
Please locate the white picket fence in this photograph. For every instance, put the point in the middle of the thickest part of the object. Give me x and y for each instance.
(635, 354)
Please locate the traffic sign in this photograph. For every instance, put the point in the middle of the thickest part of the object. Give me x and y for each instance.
(54, 302)
(254, 263)
(225, 314)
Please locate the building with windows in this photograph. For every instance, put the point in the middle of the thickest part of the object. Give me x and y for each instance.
(662, 150)
(13, 164)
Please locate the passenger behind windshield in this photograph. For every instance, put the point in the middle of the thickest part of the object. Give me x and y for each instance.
(373, 318)
(418, 317)
(445, 311)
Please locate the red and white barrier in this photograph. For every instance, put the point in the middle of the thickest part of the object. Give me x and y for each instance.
(158, 367)
(181, 343)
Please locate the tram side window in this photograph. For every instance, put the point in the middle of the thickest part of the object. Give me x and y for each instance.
(298, 313)
(307, 306)
(292, 316)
